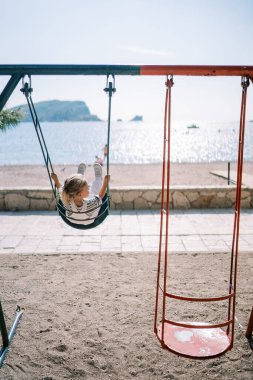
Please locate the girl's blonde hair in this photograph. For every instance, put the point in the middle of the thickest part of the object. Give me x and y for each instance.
(72, 186)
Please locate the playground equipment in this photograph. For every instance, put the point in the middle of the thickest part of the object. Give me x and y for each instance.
(249, 331)
(195, 339)
(199, 345)
(7, 337)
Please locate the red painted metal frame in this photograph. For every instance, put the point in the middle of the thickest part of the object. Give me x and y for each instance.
(206, 70)
(164, 330)
(249, 331)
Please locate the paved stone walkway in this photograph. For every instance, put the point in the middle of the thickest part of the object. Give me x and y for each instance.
(124, 232)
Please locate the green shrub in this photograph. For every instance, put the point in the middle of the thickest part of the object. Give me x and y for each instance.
(10, 119)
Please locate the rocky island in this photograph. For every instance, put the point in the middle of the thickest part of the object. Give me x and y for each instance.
(59, 110)
(137, 118)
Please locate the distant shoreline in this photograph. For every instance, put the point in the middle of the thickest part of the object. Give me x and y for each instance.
(192, 174)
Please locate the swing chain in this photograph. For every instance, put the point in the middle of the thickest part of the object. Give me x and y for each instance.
(110, 86)
(169, 82)
(26, 87)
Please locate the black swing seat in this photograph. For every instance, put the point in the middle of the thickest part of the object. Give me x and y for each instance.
(102, 215)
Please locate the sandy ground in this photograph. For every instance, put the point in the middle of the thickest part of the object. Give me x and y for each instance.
(91, 316)
(124, 175)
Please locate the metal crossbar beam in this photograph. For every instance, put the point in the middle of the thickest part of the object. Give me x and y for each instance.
(18, 71)
(207, 70)
(69, 69)
(197, 70)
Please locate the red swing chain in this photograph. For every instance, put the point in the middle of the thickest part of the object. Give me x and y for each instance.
(235, 240)
(165, 174)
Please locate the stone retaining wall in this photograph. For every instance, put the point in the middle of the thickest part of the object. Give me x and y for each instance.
(132, 198)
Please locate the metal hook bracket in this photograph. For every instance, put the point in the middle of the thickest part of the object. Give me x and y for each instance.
(169, 82)
(110, 86)
(26, 86)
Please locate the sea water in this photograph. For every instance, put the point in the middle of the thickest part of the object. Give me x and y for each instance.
(131, 142)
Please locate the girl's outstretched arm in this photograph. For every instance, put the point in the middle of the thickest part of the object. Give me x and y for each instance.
(104, 186)
(56, 180)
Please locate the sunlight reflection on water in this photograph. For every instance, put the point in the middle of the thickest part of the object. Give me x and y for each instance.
(132, 142)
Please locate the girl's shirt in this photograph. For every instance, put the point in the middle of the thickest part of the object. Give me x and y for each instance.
(85, 214)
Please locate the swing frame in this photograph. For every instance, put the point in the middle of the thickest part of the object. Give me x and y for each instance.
(17, 72)
(7, 336)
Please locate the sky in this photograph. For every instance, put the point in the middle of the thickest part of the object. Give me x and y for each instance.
(160, 32)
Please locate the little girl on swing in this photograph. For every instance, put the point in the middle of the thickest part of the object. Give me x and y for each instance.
(82, 203)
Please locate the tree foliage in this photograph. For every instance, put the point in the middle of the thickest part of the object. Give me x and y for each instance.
(10, 119)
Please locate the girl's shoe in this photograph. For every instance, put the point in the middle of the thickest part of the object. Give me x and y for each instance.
(97, 169)
(81, 168)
